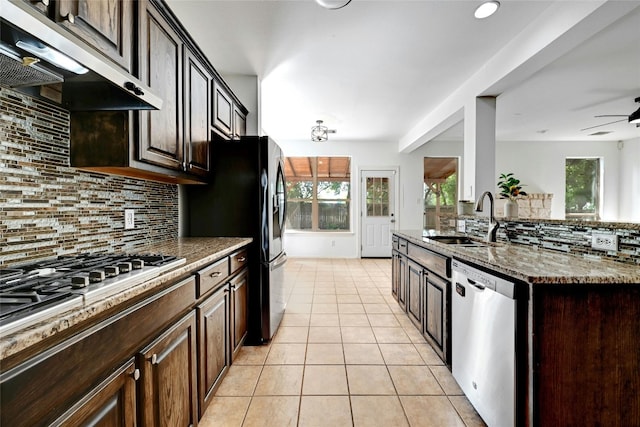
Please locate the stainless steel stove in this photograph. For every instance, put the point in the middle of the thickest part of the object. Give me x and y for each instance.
(34, 292)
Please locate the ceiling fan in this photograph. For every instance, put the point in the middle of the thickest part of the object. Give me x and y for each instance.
(633, 118)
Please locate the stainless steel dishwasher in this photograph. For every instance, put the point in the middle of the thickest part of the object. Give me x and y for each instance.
(483, 335)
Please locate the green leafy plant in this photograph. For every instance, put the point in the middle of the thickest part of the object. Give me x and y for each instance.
(510, 187)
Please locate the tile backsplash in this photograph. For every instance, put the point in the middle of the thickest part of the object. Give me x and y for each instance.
(48, 208)
(573, 237)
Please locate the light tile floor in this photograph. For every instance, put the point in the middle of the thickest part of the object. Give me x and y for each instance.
(345, 355)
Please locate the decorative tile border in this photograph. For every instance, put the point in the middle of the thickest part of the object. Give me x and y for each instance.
(48, 208)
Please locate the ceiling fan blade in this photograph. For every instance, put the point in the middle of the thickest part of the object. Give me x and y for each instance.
(613, 115)
(604, 124)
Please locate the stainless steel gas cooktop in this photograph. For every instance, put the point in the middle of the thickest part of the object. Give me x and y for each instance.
(34, 292)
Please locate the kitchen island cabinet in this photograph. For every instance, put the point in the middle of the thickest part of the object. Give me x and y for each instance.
(578, 359)
(421, 287)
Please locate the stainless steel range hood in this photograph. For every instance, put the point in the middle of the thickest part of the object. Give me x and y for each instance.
(104, 87)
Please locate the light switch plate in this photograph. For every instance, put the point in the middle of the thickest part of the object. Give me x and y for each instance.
(462, 226)
(604, 242)
(129, 219)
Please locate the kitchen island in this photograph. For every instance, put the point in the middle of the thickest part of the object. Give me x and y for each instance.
(166, 341)
(578, 358)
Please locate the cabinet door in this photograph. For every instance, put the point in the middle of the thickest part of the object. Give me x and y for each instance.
(239, 123)
(111, 404)
(239, 302)
(222, 111)
(197, 81)
(394, 274)
(160, 47)
(107, 25)
(41, 5)
(434, 322)
(402, 281)
(168, 377)
(213, 343)
(415, 293)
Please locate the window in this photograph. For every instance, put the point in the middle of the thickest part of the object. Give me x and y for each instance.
(318, 193)
(440, 191)
(582, 192)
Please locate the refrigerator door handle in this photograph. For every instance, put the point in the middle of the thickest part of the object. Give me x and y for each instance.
(279, 261)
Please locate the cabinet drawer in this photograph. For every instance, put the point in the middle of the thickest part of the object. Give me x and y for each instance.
(209, 277)
(437, 263)
(402, 246)
(238, 260)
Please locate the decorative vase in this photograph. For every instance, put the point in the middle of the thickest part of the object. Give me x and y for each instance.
(511, 209)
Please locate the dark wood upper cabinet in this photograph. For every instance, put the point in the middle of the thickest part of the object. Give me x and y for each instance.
(168, 377)
(161, 68)
(107, 25)
(197, 105)
(222, 111)
(239, 123)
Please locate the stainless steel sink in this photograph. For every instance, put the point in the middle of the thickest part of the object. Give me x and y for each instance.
(455, 240)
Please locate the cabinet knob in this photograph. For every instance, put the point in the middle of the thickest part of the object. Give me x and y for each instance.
(154, 359)
(215, 274)
(136, 374)
(68, 17)
(44, 2)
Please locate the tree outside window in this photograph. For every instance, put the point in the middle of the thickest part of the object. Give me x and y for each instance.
(318, 193)
(582, 191)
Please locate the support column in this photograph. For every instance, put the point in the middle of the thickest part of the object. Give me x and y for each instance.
(479, 155)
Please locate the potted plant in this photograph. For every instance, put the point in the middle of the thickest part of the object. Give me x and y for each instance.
(511, 189)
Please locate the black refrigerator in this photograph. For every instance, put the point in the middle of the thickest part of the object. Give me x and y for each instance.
(246, 198)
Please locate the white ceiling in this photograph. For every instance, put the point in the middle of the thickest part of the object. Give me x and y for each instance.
(374, 69)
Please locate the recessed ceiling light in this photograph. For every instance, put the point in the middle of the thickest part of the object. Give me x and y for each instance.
(486, 9)
(333, 4)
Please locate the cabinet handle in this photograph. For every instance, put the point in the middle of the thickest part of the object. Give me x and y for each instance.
(215, 274)
(68, 17)
(154, 359)
(136, 374)
(242, 259)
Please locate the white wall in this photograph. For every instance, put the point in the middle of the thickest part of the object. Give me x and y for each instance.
(629, 195)
(541, 166)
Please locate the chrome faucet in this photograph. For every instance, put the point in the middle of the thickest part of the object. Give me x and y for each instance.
(493, 224)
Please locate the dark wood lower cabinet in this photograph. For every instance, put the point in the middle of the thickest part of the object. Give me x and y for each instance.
(415, 293)
(434, 318)
(399, 274)
(239, 288)
(213, 341)
(111, 404)
(168, 377)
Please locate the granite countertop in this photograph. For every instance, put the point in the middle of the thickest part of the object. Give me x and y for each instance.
(533, 265)
(198, 252)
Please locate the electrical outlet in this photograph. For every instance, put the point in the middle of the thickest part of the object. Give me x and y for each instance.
(129, 219)
(462, 226)
(604, 242)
